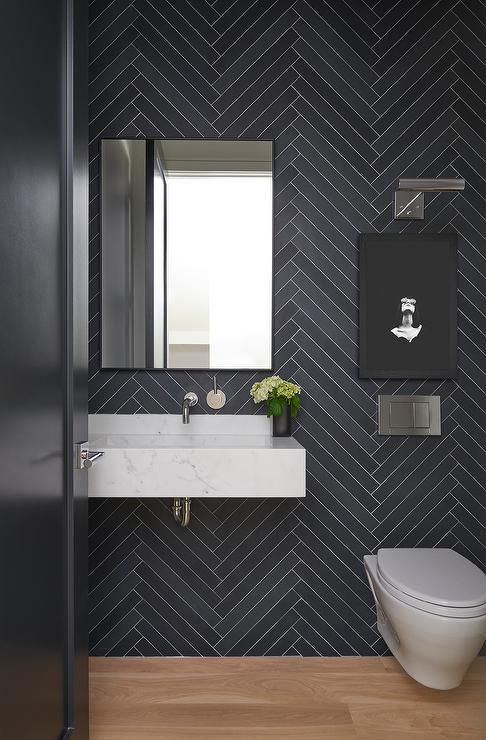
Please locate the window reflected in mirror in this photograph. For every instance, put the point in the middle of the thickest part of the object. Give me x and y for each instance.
(187, 254)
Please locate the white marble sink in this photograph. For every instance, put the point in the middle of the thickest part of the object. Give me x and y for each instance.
(213, 456)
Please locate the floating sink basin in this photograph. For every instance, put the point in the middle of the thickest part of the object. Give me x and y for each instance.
(167, 465)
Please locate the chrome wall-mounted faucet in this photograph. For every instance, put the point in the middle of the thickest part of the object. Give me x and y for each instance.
(190, 399)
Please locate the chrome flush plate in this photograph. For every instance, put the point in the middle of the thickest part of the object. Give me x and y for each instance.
(409, 415)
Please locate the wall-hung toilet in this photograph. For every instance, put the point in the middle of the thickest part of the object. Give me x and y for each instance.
(431, 611)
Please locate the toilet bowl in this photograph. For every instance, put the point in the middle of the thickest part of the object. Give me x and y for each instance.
(431, 611)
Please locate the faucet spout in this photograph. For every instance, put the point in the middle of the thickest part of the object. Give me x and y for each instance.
(185, 411)
(190, 399)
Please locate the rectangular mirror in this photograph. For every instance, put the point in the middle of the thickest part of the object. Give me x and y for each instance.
(186, 254)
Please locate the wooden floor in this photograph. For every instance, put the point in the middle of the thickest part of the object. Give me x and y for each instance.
(278, 699)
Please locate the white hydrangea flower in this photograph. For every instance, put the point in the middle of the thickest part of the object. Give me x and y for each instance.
(273, 386)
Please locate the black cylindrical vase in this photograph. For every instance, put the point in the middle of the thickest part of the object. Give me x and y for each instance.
(281, 424)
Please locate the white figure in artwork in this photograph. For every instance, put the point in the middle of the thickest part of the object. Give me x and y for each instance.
(409, 325)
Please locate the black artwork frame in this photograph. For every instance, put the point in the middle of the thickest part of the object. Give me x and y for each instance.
(418, 266)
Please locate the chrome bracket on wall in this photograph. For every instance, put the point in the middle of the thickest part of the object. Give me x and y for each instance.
(85, 458)
(409, 205)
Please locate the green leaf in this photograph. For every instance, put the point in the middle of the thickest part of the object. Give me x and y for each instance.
(274, 407)
(294, 405)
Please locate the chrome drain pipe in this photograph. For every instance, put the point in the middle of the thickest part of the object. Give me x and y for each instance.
(181, 510)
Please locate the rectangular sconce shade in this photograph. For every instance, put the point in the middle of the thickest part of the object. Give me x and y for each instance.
(432, 184)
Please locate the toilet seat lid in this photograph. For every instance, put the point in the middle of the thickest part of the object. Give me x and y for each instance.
(436, 576)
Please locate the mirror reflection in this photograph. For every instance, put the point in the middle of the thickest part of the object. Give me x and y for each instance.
(187, 242)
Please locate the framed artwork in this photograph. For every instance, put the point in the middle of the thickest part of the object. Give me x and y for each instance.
(408, 306)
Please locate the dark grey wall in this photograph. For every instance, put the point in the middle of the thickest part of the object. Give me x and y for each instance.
(355, 95)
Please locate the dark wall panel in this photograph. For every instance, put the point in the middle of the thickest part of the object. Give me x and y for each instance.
(355, 95)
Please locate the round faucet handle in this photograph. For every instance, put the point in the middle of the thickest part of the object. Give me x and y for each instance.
(191, 398)
(216, 400)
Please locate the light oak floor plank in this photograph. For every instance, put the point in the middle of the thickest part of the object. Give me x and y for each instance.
(278, 699)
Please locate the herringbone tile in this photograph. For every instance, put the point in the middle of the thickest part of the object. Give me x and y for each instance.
(355, 94)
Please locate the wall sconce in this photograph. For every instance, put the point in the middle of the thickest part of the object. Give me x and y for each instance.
(409, 198)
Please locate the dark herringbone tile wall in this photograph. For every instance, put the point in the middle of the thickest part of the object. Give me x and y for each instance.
(355, 94)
